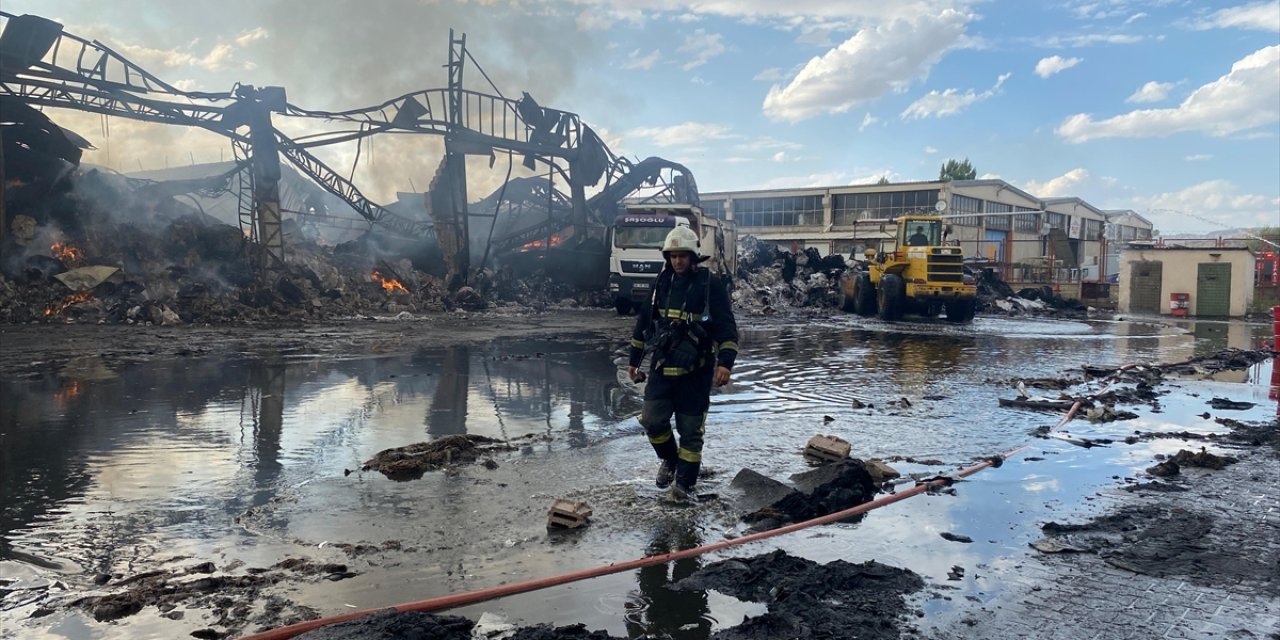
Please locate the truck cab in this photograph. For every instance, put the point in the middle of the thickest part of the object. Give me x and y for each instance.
(635, 248)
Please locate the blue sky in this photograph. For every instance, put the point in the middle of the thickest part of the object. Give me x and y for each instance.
(1167, 107)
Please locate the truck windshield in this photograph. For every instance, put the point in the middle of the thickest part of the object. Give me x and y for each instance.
(640, 237)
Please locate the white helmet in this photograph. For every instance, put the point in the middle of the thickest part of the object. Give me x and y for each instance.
(681, 239)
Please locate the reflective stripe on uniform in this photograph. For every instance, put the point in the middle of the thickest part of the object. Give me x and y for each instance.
(639, 344)
(675, 314)
(690, 456)
(659, 439)
(728, 345)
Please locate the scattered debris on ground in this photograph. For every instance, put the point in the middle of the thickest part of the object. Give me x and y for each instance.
(1163, 541)
(822, 491)
(810, 600)
(412, 461)
(235, 593)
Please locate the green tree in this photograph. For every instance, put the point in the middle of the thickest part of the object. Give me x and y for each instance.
(1256, 243)
(957, 170)
(883, 180)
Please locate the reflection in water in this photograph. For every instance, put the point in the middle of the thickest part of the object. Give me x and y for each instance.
(660, 610)
(177, 449)
(448, 415)
(266, 389)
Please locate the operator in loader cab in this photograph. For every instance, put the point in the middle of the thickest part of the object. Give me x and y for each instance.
(690, 331)
(918, 239)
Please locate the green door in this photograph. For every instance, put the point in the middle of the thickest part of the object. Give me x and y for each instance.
(1145, 281)
(1213, 289)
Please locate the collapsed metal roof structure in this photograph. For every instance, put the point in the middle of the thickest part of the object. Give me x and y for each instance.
(42, 65)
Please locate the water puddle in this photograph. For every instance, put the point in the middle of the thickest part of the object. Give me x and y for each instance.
(246, 461)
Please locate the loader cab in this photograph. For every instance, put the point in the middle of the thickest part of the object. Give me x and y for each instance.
(920, 232)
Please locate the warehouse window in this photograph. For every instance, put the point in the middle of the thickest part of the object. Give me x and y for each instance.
(962, 205)
(848, 208)
(714, 208)
(781, 211)
(1026, 222)
(1002, 221)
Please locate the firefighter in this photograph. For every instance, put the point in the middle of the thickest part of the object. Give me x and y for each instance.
(690, 331)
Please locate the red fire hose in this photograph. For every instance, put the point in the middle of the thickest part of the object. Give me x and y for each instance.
(482, 595)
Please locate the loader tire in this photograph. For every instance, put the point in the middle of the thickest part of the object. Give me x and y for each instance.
(864, 295)
(891, 298)
(961, 311)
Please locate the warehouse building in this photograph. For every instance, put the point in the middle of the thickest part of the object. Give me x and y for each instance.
(1026, 239)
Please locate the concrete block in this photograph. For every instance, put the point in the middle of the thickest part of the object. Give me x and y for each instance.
(826, 448)
(568, 514)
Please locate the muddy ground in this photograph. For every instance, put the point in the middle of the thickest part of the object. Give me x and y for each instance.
(1209, 525)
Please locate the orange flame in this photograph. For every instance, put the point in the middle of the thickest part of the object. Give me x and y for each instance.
(556, 240)
(390, 285)
(63, 395)
(73, 299)
(67, 253)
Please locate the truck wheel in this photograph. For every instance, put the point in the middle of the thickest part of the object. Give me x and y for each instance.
(891, 297)
(623, 306)
(959, 311)
(864, 295)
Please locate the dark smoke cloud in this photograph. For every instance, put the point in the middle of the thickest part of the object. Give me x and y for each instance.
(334, 55)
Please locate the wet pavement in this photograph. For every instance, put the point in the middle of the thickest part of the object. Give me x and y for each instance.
(125, 469)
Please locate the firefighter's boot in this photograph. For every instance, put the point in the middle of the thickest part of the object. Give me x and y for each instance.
(687, 475)
(666, 473)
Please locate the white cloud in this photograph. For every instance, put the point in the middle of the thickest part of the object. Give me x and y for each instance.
(950, 102)
(1197, 156)
(780, 156)
(1151, 92)
(1217, 201)
(867, 120)
(683, 134)
(767, 144)
(1089, 39)
(1055, 64)
(1243, 99)
(990, 176)
(800, 15)
(772, 74)
(825, 179)
(875, 176)
(930, 150)
(253, 35)
(701, 47)
(738, 160)
(637, 61)
(1137, 16)
(875, 61)
(1260, 16)
(1063, 185)
(601, 18)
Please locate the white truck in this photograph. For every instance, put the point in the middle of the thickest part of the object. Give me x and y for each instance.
(635, 254)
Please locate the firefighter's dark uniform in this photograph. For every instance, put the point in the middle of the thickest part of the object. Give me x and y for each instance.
(700, 301)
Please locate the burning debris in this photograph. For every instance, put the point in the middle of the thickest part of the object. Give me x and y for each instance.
(76, 259)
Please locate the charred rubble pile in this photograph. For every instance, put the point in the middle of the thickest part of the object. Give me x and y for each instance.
(995, 296)
(102, 250)
(770, 280)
